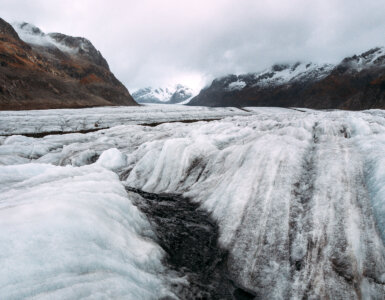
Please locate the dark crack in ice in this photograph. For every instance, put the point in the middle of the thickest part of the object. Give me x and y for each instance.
(190, 238)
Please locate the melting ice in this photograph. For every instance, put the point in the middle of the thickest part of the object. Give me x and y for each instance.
(298, 195)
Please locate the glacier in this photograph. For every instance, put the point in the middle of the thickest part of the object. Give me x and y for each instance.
(75, 120)
(69, 233)
(298, 196)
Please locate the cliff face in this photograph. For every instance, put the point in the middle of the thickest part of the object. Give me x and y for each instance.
(41, 71)
(358, 82)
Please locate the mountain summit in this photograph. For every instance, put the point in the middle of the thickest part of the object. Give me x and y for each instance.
(166, 95)
(358, 82)
(41, 71)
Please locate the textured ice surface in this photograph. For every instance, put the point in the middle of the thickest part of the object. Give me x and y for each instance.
(70, 233)
(299, 197)
(69, 120)
(112, 159)
(292, 193)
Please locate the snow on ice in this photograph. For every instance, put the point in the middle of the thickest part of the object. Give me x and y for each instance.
(70, 120)
(298, 195)
(71, 232)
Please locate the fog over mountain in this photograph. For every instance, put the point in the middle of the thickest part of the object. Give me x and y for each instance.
(159, 43)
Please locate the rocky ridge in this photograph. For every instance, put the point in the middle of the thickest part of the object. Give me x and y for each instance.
(358, 82)
(42, 71)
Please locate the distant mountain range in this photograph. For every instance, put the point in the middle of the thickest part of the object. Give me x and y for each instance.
(358, 82)
(167, 95)
(39, 71)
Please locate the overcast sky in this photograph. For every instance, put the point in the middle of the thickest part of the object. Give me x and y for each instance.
(161, 42)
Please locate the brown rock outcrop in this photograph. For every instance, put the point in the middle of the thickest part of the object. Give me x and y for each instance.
(60, 72)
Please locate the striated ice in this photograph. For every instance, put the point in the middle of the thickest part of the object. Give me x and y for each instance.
(298, 196)
(292, 192)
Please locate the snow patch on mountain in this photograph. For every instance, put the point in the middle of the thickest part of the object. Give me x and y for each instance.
(280, 74)
(372, 58)
(236, 85)
(289, 73)
(276, 75)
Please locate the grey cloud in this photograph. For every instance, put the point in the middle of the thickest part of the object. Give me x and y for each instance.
(154, 42)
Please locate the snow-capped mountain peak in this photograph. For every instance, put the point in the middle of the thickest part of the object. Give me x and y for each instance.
(357, 82)
(281, 74)
(277, 75)
(373, 58)
(170, 94)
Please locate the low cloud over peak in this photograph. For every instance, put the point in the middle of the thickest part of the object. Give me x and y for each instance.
(155, 43)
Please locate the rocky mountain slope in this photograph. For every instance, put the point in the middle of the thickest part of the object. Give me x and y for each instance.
(41, 71)
(358, 82)
(167, 95)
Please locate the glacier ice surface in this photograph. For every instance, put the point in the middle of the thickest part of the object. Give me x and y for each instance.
(298, 195)
(71, 232)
